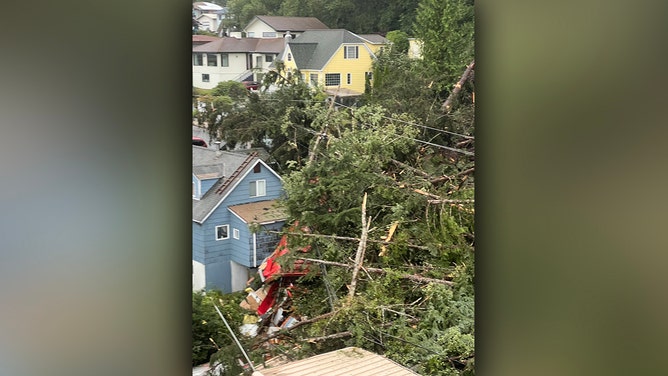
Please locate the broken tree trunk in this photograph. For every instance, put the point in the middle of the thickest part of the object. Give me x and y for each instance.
(447, 105)
(359, 255)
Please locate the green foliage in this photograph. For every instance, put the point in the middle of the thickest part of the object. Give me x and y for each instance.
(399, 41)
(206, 323)
(446, 29)
(233, 89)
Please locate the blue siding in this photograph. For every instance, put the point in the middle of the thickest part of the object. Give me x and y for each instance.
(218, 253)
(218, 276)
(198, 244)
(241, 249)
(207, 184)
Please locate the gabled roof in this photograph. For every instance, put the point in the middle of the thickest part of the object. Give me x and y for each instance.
(281, 23)
(230, 45)
(313, 48)
(216, 163)
(351, 361)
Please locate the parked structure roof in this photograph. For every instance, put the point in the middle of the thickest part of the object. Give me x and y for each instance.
(350, 361)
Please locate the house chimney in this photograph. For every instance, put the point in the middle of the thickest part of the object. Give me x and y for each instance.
(287, 38)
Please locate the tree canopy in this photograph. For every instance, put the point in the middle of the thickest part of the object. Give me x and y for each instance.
(408, 160)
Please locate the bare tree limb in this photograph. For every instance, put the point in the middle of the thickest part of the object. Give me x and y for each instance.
(359, 255)
(348, 238)
(411, 277)
(447, 105)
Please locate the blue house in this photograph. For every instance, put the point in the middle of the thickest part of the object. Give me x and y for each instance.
(234, 204)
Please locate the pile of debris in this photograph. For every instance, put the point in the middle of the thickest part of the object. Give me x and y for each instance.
(270, 305)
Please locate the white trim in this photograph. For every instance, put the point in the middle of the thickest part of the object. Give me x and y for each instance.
(235, 233)
(215, 232)
(254, 250)
(232, 188)
(257, 184)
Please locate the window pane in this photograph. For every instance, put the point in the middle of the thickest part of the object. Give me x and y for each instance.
(268, 58)
(349, 78)
(224, 60)
(222, 232)
(252, 187)
(261, 188)
(199, 59)
(205, 77)
(332, 79)
(211, 60)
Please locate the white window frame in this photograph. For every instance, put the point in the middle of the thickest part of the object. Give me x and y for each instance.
(198, 59)
(235, 233)
(210, 63)
(268, 34)
(224, 60)
(222, 238)
(331, 76)
(351, 52)
(258, 192)
(250, 34)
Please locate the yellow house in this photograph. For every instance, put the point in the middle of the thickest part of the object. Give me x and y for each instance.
(336, 59)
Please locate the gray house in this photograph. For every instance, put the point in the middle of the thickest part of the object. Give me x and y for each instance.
(234, 204)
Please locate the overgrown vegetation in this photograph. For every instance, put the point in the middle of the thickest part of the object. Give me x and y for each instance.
(413, 160)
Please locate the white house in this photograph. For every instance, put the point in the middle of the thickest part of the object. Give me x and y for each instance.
(278, 26)
(233, 59)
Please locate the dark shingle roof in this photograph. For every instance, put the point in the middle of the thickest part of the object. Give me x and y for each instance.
(313, 48)
(281, 23)
(228, 44)
(374, 38)
(223, 164)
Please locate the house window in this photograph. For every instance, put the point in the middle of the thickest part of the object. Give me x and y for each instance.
(258, 188)
(224, 60)
(289, 56)
(351, 52)
(268, 58)
(314, 79)
(235, 233)
(332, 79)
(369, 76)
(257, 168)
(222, 232)
(250, 34)
(205, 77)
(349, 78)
(268, 34)
(199, 59)
(211, 60)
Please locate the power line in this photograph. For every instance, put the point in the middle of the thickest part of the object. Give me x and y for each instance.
(416, 124)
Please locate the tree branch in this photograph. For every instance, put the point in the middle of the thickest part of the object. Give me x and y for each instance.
(447, 105)
(359, 255)
(411, 277)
